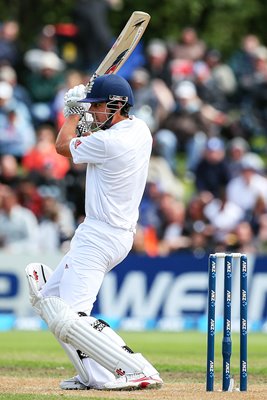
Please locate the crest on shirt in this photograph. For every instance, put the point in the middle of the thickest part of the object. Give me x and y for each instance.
(77, 143)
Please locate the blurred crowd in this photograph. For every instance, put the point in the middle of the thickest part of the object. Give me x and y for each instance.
(207, 183)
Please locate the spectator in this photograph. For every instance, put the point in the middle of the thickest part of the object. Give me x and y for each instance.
(262, 234)
(208, 88)
(57, 218)
(146, 102)
(49, 237)
(165, 144)
(189, 47)
(18, 225)
(160, 172)
(212, 172)
(243, 65)
(186, 122)
(197, 226)
(8, 74)
(46, 40)
(184, 53)
(74, 189)
(223, 216)
(149, 207)
(243, 239)
(43, 157)
(9, 171)
(158, 61)
(9, 49)
(165, 98)
(29, 197)
(173, 215)
(260, 62)
(236, 149)
(43, 79)
(249, 189)
(221, 72)
(17, 131)
(146, 241)
(192, 122)
(153, 99)
(181, 70)
(254, 109)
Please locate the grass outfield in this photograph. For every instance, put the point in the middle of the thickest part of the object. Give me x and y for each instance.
(33, 363)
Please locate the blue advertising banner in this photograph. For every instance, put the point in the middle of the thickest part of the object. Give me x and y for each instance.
(171, 293)
(147, 293)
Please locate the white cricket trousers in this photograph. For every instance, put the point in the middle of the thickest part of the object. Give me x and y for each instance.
(95, 249)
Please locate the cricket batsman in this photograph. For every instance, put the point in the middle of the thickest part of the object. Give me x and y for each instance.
(116, 148)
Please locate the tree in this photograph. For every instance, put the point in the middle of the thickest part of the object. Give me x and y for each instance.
(221, 23)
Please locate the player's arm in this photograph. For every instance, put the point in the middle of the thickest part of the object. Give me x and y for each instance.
(66, 134)
(74, 112)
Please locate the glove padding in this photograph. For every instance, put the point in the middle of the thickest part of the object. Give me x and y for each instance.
(71, 98)
(73, 106)
(73, 95)
(67, 111)
(84, 125)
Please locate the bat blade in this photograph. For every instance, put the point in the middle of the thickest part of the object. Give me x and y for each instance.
(123, 46)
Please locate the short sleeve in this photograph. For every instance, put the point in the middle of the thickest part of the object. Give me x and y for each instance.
(89, 149)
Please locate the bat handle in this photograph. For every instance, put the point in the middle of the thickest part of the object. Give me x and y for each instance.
(90, 83)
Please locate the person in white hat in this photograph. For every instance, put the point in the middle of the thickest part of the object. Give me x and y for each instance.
(249, 188)
(16, 127)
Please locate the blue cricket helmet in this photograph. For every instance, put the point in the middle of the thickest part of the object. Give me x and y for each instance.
(109, 87)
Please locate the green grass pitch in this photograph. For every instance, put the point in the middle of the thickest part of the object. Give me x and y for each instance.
(180, 357)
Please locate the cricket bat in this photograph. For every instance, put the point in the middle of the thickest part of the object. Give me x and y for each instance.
(123, 46)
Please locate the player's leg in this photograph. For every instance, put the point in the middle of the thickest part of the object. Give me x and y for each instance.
(38, 274)
(91, 372)
(71, 284)
(81, 295)
(83, 274)
(89, 273)
(132, 370)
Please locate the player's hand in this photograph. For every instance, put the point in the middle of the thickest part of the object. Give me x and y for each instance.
(78, 110)
(84, 125)
(74, 95)
(71, 101)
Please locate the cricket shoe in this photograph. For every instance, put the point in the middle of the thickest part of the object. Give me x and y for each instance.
(73, 384)
(135, 382)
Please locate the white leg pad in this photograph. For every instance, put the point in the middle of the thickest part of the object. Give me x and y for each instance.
(70, 328)
(94, 377)
(76, 361)
(91, 373)
(37, 274)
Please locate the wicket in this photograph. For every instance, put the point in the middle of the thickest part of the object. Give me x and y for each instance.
(227, 340)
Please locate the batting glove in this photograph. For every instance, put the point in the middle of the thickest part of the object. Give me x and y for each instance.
(79, 110)
(73, 95)
(84, 125)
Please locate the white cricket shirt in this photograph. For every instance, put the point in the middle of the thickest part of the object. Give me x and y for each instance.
(117, 171)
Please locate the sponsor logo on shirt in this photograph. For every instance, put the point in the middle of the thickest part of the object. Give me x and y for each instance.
(35, 275)
(77, 143)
